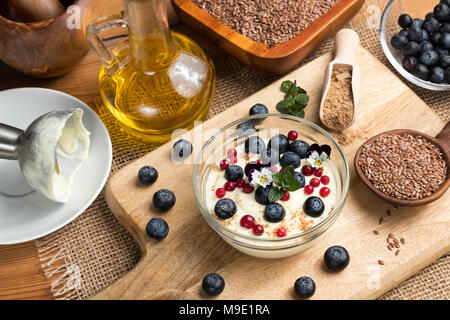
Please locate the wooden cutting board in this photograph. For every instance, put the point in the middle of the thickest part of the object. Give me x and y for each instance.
(174, 267)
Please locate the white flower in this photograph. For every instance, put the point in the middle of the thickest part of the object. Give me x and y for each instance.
(316, 160)
(262, 178)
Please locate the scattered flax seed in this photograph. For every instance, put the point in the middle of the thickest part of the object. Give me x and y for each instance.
(375, 232)
(380, 262)
(397, 245)
(388, 212)
(402, 240)
(389, 247)
(390, 235)
(397, 252)
(380, 221)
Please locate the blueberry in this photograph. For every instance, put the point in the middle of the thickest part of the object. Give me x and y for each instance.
(412, 49)
(429, 58)
(447, 2)
(336, 258)
(409, 63)
(313, 207)
(441, 52)
(399, 42)
(304, 287)
(422, 71)
(415, 34)
(445, 28)
(258, 109)
(416, 23)
(279, 142)
(147, 175)
(426, 46)
(300, 178)
(262, 195)
(447, 74)
(405, 21)
(444, 61)
(437, 75)
(164, 199)
(444, 41)
(425, 36)
(442, 12)
(182, 149)
(403, 32)
(254, 144)
(245, 129)
(233, 173)
(435, 39)
(157, 228)
(290, 158)
(429, 15)
(213, 284)
(225, 209)
(300, 147)
(431, 25)
(274, 212)
(270, 156)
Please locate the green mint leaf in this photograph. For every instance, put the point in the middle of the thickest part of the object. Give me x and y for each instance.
(301, 90)
(286, 86)
(290, 102)
(283, 107)
(302, 99)
(292, 91)
(300, 114)
(288, 171)
(277, 178)
(275, 194)
(297, 108)
(291, 184)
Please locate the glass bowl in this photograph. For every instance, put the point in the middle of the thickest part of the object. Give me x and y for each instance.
(389, 27)
(229, 137)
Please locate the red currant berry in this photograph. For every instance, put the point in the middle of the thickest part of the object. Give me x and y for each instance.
(248, 188)
(325, 180)
(307, 171)
(309, 189)
(230, 186)
(258, 161)
(220, 193)
(258, 230)
(292, 135)
(281, 232)
(314, 182)
(318, 172)
(234, 160)
(224, 164)
(247, 221)
(286, 196)
(232, 153)
(240, 183)
(324, 192)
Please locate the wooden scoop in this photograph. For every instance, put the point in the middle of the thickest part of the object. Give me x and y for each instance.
(442, 140)
(346, 46)
(36, 10)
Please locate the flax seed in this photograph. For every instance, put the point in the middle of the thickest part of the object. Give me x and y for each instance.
(402, 240)
(380, 262)
(388, 212)
(375, 232)
(380, 221)
(397, 252)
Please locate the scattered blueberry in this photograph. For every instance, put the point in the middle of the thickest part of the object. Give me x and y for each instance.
(409, 63)
(279, 142)
(147, 175)
(405, 21)
(164, 199)
(262, 195)
(254, 144)
(437, 75)
(429, 58)
(304, 287)
(442, 12)
(300, 178)
(300, 147)
(290, 158)
(258, 109)
(157, 228)
(399, 41)
(225, 209)
(314, 207)
(213, 284)
(274, 212)
(336, 258)
(422, 71)
(182, 149)
(245, 129)
(412, 49)
(233, 173)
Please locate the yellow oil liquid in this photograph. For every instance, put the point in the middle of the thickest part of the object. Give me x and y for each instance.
(145, 103)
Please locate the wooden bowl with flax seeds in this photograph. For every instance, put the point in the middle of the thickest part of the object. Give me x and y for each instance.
(406, 167)
(270, 36)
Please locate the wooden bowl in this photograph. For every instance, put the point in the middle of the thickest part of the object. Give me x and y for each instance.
(48, 48)
(442, 140)
(270, 60)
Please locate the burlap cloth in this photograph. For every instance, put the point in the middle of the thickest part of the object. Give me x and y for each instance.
(95, 250)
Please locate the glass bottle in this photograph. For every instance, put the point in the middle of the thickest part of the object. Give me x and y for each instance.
(156, 81)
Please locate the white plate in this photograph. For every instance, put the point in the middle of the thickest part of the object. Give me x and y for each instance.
(25, 214)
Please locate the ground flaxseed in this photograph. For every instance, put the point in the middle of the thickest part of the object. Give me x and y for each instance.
(338, 108)
(267, 21)
(403, 166)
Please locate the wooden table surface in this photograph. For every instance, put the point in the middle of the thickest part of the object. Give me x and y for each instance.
(21, 276)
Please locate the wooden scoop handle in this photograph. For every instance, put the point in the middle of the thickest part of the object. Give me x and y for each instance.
(37, 10)
(444, 138)
(346, 44)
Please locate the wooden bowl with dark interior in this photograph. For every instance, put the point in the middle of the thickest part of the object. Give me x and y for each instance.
(270, 60)
(442, 140)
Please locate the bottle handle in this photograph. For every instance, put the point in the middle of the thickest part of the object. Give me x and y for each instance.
(109, 60)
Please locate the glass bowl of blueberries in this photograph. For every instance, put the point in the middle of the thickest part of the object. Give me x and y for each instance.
(418, 47)
(270, 184)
